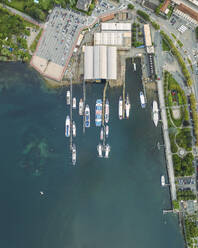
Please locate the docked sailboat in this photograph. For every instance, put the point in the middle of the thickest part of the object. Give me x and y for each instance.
(87, 116)
(67, 126)
(127, 106)
(107, 150)
(102, 134)
(73, 154)
(68, 97)
(81, 107)
(142, 100)
(155, 113)
(100, 148)
(74, 103)
(74, 129)
(107, 111)
(98, 114)
(134, 66)
(163, 180)
(107, 130)
(120, 108)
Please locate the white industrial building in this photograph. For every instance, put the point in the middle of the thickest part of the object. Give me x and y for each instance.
(147, 39)
(111, 26)
(121, 39)
(100, 62)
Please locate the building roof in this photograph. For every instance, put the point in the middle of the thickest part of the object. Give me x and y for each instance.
(165, 5)
(107, 18)
(186, 10)
(83, 4)
(100, 62)
(113, 38)
(147, 35)
(116, 26)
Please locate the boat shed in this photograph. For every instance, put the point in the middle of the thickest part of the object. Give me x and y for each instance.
(100, 62)
(120, 39)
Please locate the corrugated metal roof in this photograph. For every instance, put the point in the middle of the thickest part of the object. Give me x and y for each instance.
(88, 62)
(147, 35)
(116, 26)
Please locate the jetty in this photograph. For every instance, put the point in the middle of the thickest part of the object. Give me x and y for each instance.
(84, 100)
(123, 97)
(103, 103)
(71, 126)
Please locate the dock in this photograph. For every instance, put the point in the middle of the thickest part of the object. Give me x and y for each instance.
(103, 105)
(123, 97)
(84, 100)
(166, 211)
(71, 102)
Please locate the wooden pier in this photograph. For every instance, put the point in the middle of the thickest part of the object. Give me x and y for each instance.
(166, 211)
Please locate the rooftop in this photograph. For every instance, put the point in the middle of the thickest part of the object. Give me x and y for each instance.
(183, 8)
(165, 5)
(83, 4)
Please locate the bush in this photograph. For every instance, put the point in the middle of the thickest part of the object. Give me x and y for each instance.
(196, 32)
(184, 139)
(172, 142)
(155, 25)
(143, 15)
(130, 6)
(185, 194)
(183, 167)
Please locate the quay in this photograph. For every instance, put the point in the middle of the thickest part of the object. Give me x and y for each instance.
(166, 140)
(84, 100)
(123, 97)
(103, 103)
(71, 102)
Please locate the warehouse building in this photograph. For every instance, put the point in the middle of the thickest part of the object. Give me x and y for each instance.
(187, 13)
(119, 39)
(112, 26)
(100, 62)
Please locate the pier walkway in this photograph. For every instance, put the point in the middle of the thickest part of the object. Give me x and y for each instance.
(166, 140)
(103, 103)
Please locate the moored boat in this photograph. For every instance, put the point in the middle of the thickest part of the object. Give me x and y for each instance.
(142, 100)
(107, 130)
(155, 113)
(87, 116)
(73, 154)
(68, 97)
(107, 150)
(74, 103)
(81, 106)
(107, 111)
(120, 108)
(127, 106)
(98, 114)
(67, 126)
(74, 129)
(100, 148)
(134, 66)
(163, 180)
(101, 133)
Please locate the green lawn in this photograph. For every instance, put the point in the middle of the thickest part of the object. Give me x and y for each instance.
(17, 4)
(165, 46)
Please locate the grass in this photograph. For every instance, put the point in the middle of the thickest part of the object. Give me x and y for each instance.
(190, 63)
(165, 46)
(180, 43)
(34, 43)
(173, 36)
(19, 5)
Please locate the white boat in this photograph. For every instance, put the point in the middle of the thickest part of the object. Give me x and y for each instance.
(107, 150)
(155, 113)
(87, 116)
(107, 111)
(67, 126)
(107, 130)
(81, 107)
(68, 97)
(101, 133)
(74, 103)
(74, 129)
(142, 100)
(127, 106)
(73, 154)
(163, 180)
(134, 66)
(120, 108)
(100, 148)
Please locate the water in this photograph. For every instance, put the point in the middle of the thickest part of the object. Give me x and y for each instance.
(109, 203)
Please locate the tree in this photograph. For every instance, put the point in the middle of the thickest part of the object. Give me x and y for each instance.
(130, 6)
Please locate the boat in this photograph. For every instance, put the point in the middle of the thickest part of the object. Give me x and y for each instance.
(107, 130)
(163, 180)
(74, 129)
(101, 133)
(73, 154)
(68, 97)
(98, 114)
(74, 103)
(87, 116)
(67, 126)
(107, 111)
(127, 106)
(142, 100)
(107, 150)
(134, 66)
(120, 108)
(100, 148)
(81, 106)
(155, 113)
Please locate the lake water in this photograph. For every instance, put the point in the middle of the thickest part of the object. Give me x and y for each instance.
(108, 203)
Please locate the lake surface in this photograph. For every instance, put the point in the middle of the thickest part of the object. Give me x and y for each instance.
(99, 203)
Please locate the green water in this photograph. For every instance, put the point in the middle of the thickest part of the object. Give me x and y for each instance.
(112, 203)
